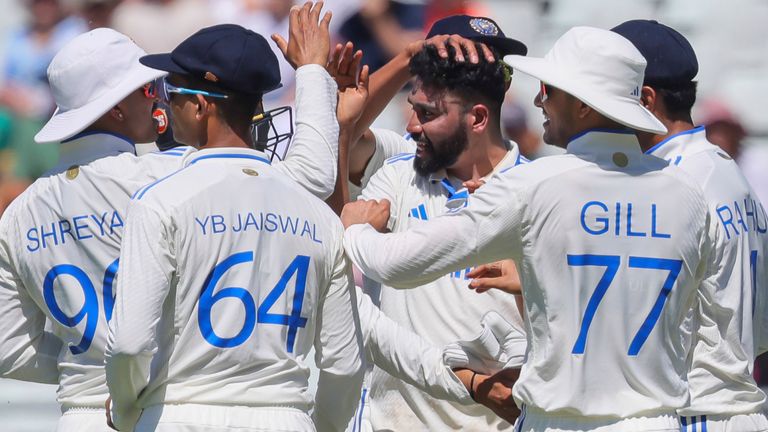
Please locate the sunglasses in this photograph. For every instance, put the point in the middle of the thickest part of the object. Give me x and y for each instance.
(151, 89)
(166, 89)
(544, 91)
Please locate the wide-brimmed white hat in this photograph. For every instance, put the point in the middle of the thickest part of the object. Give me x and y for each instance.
(600, 68)
(89, 76)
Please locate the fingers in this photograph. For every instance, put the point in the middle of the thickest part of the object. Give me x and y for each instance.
(483, 284)
(439, 43)
(469, 48)
(354, 64)
(314, 12)
(304, 15)
(364, 78)
(487, 53)
(326, 22)
(456, 44)
(346, 59)
(485, 270)
(333, 63)
(281, 43)
(293, 21)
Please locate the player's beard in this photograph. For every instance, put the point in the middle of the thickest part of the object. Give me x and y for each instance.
(442, 155)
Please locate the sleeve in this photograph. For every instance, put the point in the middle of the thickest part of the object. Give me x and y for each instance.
(312, 155)
(388, 144)
(338, 351)
(407, 356)
(146, 267)
(486, 231)
(27, 351)
(760, 283)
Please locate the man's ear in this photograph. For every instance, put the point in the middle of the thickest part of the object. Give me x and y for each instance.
(117, 113)
(202, 107)
(479, 117)
(648, 98)
(583, 109)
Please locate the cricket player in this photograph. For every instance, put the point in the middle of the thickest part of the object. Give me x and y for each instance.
(232, 271)
(60, 240)
(612, 247)
(456, 127)
(724, 396)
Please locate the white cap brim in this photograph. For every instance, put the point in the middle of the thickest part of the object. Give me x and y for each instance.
(65, 124)
(626, 111)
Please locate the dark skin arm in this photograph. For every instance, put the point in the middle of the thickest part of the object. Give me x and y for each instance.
(494, 391)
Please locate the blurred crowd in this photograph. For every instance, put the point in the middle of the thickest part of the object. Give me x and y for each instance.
(726, 36)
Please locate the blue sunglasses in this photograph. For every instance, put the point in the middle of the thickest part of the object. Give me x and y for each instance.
(169, 88)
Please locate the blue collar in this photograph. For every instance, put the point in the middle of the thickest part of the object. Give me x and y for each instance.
(671, 137)
(228, 153)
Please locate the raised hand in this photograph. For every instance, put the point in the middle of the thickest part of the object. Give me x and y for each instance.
(309, 40)
(463, 48)
(353, 88)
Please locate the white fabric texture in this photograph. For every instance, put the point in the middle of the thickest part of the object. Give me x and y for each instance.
(560, 210)
(77, 217)
(440, 312)
(723, 353)
(388, 144)
(275, 283)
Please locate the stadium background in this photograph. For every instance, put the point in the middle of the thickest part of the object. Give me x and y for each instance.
(729, 38)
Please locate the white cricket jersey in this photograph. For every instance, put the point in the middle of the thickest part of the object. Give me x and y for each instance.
(387, 144)
(230, 274)
(720, 379)
(60, 247)
(611, 246)
(407, 356)
(66, 230)
(441, 311)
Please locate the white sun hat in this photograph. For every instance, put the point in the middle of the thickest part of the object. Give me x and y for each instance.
(89, 76)
(600, 68)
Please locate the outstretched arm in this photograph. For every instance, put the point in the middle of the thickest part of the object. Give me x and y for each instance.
(312, 156)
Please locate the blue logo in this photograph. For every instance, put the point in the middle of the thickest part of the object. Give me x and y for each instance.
(484, 27)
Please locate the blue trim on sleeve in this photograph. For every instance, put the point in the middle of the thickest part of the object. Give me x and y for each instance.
(667, 139)
(140, 193)
(400, 157)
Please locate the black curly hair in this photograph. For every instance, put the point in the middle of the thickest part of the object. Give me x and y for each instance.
(482, 82)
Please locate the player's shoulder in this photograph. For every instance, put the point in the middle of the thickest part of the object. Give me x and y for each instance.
(532, 172)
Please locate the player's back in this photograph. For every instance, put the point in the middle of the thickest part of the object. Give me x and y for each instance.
(721, 369)
(255, 255)
(612, 242)
(64, 233)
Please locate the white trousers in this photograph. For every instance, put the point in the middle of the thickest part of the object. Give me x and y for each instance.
(755, 422)
(83, 420)
(212, 418)
(531, 420)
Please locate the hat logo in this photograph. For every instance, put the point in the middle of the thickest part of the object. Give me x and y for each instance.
(211, 77)
(484, 27)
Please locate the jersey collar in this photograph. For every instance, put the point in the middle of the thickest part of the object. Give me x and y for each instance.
(616, 148)
(233, 154)
(87, 147)
(674, 143)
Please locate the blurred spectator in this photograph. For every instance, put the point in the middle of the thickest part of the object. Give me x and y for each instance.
(159, 25)
(437, 9)
(25, 100)
(383, 28)
(723, 128)
(96, 13)
(514, 125)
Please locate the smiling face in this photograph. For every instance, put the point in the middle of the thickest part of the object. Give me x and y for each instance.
(437, 125)
(560, 111)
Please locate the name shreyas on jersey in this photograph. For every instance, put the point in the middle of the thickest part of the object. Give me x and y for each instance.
(260, 221)
(76, 229)
(741, 217)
